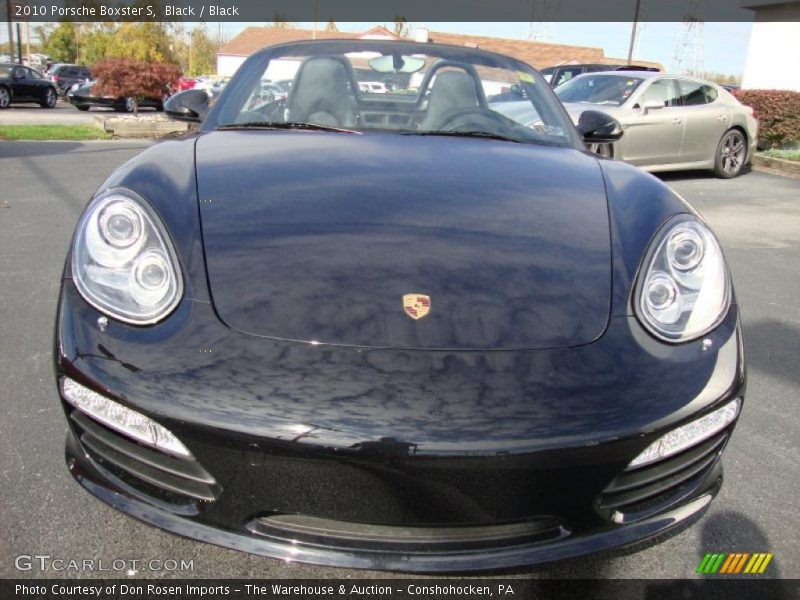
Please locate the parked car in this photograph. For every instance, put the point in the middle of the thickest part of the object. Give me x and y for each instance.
(396, 331)
(212, 87)
(271, 92)
(557, 75)
(186, 83)
(20, 84)
(372, 87)
(82, 97)
(671, 122)
(67, 75)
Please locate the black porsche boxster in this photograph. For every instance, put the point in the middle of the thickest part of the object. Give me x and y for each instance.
(396, 330)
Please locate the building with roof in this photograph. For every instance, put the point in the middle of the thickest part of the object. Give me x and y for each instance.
(537, 54)
(773, 54)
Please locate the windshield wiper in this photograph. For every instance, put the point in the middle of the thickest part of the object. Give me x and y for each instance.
(472, 134)
(275, 125)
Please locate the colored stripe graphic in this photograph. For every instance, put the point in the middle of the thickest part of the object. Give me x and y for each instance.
(703, 563)
(727, 564)
(734, 563)
(717, 563)
(765, 563)
(755, 559)
(741, 563)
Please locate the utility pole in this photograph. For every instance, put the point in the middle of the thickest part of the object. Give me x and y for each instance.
(19, 45)
(316, 16)
(28, 38)
(633, 31)
(10, 31)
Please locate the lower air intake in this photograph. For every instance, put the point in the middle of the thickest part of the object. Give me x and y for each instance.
(369, 537)
(180, 485)
(642, 491)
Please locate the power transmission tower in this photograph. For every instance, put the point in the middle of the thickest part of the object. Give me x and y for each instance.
(542, 30)
(688, 55)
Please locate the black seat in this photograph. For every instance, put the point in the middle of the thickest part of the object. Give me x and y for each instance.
(322, 93)
(452, 92)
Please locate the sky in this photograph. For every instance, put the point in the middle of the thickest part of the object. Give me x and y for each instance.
(724, 46)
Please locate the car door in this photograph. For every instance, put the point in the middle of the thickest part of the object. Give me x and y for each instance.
(654, 136)
(706, 120)
(39, 84)
(24, 87)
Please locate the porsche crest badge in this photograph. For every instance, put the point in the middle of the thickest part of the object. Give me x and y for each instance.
(416, 305)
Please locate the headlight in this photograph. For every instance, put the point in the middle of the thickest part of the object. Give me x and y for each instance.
(683, 289)
(123, 262)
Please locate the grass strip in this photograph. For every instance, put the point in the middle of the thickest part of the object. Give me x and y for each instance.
(52, 132)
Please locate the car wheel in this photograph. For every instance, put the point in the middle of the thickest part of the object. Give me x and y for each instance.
(84, 108)
(128, 105)
(731, 154)
(602, 150)
(50, 99)
(5, 97)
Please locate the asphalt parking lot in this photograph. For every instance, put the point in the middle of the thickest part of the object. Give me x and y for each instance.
(62, 114)
(46, 184)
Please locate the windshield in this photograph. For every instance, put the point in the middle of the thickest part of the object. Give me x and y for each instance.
(605, 89)
(392, 87)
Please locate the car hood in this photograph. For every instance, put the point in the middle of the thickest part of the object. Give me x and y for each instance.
(319, 236)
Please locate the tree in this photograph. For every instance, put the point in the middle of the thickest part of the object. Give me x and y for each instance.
(280, 22)
(143, 41)
(62, 42)
(42, 32)
(124, 78)
(94, 41)
(331, 26)
(199, 55)
(400, 26)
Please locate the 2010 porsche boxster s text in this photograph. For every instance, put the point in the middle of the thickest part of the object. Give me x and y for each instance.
(396, 330)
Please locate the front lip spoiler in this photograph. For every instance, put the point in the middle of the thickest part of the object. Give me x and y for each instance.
(90, 478)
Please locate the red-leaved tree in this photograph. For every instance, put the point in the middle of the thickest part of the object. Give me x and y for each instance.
(127, 78)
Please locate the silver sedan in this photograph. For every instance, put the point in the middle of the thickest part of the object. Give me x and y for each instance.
(670, 122)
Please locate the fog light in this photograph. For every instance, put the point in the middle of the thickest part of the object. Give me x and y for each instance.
(688, 435)
(122, 419)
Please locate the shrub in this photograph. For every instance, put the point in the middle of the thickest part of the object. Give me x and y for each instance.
(778, 114)
(123, 78)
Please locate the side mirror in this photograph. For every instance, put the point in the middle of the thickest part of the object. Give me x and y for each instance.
(652, 105)
(598, 127)
(189, 105)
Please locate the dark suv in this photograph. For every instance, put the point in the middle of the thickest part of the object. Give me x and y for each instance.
(65, 76)
(558, 75)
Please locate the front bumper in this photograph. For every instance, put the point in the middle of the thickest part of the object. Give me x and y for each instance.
(511, 453)
(661, 525)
